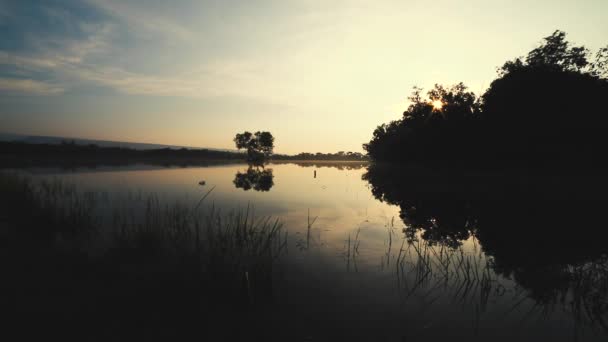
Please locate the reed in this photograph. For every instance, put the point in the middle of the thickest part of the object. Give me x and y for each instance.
(466, 277)
(233, 251)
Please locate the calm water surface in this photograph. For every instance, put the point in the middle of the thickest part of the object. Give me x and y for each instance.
(379, 263)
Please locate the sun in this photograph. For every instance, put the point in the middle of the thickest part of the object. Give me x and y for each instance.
(437, 104)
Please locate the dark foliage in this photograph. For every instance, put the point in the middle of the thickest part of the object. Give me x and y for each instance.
(549, 106)
(259, 146)
(544, 109)
(428, 132)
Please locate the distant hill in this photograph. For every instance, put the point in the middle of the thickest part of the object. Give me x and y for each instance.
(40, 139)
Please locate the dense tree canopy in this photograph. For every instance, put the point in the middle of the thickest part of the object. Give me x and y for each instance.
(545, 108)
(259, 145)
(438, 125)
(549, 107)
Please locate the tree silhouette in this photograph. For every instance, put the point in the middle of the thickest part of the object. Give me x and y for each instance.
(545, 109)
(556, 53)
(426, 131)
(259, 145)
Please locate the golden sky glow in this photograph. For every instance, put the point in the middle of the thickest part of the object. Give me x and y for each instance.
(319, 75)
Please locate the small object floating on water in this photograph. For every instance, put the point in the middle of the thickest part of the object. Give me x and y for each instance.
(201, 182)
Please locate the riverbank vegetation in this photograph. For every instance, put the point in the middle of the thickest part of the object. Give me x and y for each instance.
(68, 154)
(166, 271)
(544, 109)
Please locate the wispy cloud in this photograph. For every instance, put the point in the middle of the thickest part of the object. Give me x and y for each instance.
(139, 18)
(69, 52)
(215, 80)
(28, 87)
(92, 56)
(226, 79)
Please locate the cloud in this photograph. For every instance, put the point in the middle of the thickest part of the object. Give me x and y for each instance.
(91, 60)
(10, 86)
(149, 49)
(69, 52)
(215, 80)
(140, 18)
(91, 47)
(26, 62)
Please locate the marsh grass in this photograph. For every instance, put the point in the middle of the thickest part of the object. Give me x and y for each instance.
(235, 251)
(168, 263)
(236, 237)
(351, 250)
(385, 260)
(464, 276)
(49, 211)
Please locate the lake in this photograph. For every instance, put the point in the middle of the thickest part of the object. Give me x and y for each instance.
(392, 255)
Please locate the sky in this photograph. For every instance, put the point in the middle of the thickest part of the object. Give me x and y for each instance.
(320, 75)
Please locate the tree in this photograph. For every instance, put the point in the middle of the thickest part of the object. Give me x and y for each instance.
(557, 53)
(599, 67)
(434, 127)
(259, 145)
(544, 108)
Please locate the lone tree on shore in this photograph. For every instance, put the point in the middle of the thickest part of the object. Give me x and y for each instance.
(259, 145)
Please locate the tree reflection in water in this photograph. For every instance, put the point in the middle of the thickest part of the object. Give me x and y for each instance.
(545, 234)
(256, 177)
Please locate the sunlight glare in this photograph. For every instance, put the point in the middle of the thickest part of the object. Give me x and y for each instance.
(437, 104)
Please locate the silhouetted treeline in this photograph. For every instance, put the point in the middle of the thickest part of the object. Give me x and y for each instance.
(336, 164)
(24, 154)
(341, 155)
(20, 154)
(545, 109)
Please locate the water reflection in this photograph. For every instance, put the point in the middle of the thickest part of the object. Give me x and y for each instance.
(348, 254)
(340, 165)
(256, 177)
(548, 240)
